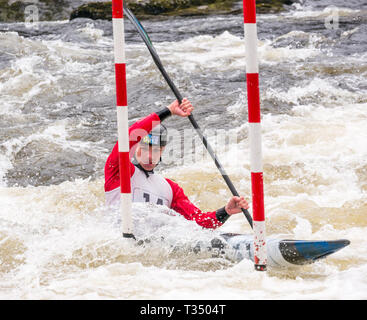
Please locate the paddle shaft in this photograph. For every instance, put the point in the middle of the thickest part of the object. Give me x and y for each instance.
(179, 97)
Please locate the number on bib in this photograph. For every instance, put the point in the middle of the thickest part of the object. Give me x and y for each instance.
(146, 197)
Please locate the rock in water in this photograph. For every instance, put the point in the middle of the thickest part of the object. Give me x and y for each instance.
(93, 10)
(146, 8)
(48, 10)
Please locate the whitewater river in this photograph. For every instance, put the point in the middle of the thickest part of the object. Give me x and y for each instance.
(58, 125)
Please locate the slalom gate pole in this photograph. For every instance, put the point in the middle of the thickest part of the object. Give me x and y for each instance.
(253, 99)
(122, 118)
(178, 95)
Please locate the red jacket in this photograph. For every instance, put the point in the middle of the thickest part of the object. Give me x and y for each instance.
(180, 202)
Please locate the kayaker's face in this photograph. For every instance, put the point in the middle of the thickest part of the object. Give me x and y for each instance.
(148, 156)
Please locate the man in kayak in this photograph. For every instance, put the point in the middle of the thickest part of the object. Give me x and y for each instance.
(149, 138)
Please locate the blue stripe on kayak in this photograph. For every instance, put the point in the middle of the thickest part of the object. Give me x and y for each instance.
(312, 250)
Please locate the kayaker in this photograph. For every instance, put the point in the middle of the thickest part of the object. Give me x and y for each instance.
(148, 186)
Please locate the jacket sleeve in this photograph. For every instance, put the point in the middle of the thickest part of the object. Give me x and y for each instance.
(136, 132)
(182, 205)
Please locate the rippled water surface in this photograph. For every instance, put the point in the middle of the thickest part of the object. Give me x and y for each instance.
(58, 125)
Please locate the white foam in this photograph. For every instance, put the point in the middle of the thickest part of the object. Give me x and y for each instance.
(91, 32)
(225, 52)
(64, 244)
(309, 12)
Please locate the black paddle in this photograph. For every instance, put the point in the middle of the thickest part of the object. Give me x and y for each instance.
(159, 64)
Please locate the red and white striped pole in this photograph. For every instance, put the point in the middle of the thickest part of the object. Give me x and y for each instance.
(253, 98)
(122, 117)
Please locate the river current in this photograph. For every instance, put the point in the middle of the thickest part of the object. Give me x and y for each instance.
(58, 125)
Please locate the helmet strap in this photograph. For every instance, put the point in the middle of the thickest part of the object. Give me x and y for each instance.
(136, 163)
